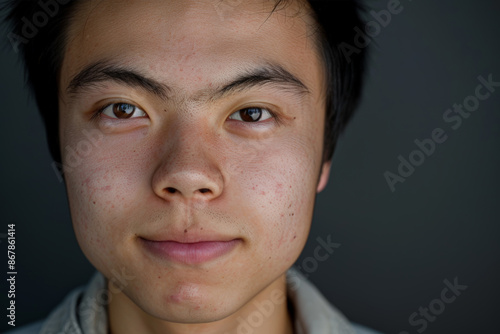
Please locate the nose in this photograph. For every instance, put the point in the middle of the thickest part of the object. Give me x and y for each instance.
(188, 171)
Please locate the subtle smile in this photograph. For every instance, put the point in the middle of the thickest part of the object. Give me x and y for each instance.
(190, 252)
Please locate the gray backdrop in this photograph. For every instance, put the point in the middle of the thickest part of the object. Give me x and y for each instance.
(395, 249)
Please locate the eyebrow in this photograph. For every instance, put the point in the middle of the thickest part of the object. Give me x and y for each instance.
(102, 71)
(267, 74)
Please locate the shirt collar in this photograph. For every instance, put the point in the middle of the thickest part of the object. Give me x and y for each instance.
(313, 313)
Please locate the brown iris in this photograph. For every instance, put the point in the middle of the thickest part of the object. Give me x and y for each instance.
(123, 110)
(250, 114)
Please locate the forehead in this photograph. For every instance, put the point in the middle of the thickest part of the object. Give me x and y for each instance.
(192, 42)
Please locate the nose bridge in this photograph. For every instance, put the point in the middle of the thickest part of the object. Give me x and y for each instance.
(191, 141)
(189, 167)
(190, 151)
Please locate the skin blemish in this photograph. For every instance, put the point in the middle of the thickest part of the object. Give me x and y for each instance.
(185, 231)
(184, 293)
(175, 298)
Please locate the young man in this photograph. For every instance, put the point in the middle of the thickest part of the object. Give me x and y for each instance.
(193, 137)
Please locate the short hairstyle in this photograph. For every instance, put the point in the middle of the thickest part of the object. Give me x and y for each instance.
(38, 33)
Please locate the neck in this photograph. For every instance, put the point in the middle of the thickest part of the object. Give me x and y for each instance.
(266, 313)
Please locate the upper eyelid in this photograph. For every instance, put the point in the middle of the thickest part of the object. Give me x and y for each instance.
(273, 114)
(112, 103)
(119, 101)
(271, 109)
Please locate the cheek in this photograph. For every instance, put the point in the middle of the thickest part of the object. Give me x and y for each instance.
(101, 199)
(276, 188)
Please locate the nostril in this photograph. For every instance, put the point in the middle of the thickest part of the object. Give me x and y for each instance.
(171, 190)
(204, 190)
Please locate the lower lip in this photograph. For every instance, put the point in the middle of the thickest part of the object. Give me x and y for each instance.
(190, 253)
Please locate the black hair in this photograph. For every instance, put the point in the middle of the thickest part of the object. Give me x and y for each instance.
(38, 33)
(344, 63)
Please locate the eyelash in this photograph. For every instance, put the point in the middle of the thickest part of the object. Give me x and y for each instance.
(272, 115)
(97, 114)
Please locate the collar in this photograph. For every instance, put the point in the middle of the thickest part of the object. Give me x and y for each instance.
(312, 312)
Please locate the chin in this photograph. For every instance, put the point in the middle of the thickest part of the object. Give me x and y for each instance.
(196, 310)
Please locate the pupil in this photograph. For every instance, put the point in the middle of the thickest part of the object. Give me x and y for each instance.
(251, 114)
(123, 110)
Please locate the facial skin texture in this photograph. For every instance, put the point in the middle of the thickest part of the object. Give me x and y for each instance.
(184, 169)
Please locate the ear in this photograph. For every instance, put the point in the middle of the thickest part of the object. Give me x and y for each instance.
(325, 174)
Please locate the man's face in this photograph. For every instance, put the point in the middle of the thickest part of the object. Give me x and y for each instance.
(199, 176)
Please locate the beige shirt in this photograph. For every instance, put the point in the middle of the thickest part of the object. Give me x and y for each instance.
(84, 311)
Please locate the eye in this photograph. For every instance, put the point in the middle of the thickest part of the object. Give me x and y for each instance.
(253, 114)
(122, 111)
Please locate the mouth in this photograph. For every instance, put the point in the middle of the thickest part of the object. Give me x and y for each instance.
(190, 252)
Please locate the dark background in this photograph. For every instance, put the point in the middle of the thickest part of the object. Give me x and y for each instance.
(396, 248)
